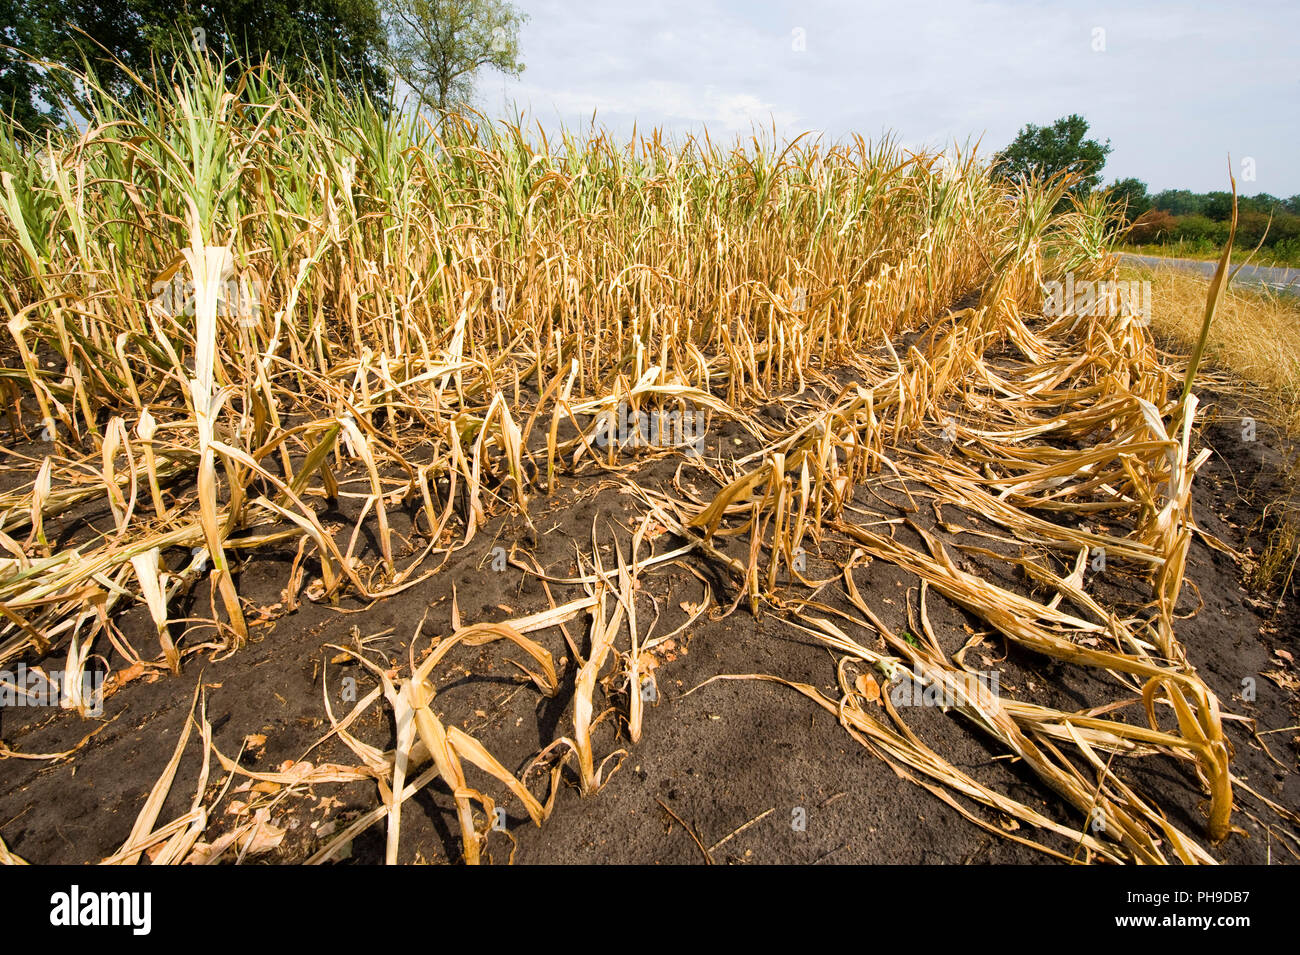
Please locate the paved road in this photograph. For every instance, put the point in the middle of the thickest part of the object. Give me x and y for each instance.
(1275, 278)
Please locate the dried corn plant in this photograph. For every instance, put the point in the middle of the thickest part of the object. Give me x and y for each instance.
(264, 290)
(1135, 469)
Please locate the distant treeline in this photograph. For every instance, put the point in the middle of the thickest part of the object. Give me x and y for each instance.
(1199, 221)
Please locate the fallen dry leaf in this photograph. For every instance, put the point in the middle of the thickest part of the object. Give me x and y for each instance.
(868, 687)
(263, 836)
(126, 675)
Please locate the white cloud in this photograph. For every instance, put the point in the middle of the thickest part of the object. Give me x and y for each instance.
(672, 104)
(1176, 89)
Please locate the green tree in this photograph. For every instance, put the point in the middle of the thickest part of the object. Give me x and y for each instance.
(342, 37)
(1047, 150)
(25, 96)
(1133, 194)
(1262, 202)
(437, 46)
(1218, 206)
(1180, 202)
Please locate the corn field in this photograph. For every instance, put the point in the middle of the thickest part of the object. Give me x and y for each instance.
(228, 304)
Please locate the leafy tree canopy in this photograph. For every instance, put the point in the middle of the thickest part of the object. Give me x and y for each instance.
(436, 47)
(342, 37)
(1047, 150)
(1133, 194)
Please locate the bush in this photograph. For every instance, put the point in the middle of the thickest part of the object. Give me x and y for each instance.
(1253, 226)
(1198, 228)
(1154, 225)
(1287, 250)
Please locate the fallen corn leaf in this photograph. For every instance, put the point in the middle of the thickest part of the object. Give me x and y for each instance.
(868, 687)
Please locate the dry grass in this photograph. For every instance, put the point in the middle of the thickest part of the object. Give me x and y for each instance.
(1255, 335)
(1256, 339)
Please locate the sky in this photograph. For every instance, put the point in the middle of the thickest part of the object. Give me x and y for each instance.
(1177, 88)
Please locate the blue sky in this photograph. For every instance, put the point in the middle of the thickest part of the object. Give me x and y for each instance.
(1176, 87)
